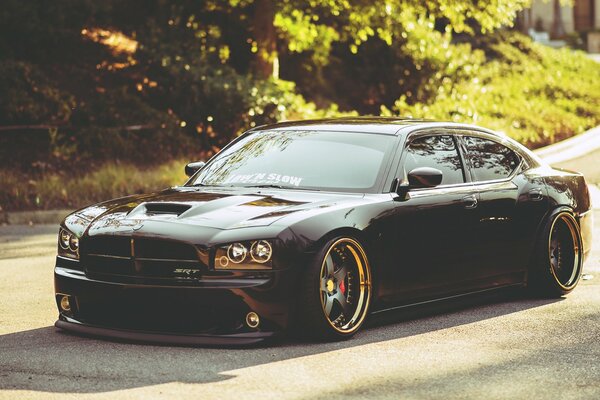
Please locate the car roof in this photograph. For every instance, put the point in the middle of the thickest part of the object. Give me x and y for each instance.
(384, 125)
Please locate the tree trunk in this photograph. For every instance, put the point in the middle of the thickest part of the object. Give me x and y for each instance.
(558, 29)
(524, 20)
(265, 36)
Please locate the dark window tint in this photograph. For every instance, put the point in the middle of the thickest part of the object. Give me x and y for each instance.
(301, 159)
(490, 160)
(436, 152)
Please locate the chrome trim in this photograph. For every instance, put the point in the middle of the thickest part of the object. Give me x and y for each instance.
(108, 256)
(440, 190)
(184, 260)
(492, 184)
(516, 171)
(67, 258)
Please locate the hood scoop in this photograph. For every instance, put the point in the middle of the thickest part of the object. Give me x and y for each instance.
(159, 209)
(166, 208)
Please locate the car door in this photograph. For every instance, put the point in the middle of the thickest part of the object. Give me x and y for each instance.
(511, 207)
(428, 252)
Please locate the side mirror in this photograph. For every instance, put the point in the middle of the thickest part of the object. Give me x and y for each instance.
(193, 167)
(419, 178)
(424, 177)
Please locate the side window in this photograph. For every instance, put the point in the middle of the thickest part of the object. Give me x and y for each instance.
(490, 160)
(439, 152)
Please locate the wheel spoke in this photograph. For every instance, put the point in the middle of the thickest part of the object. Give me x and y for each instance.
(323, 287)
(329, 264)
(328, 305)
(341, 300)
(341, 273)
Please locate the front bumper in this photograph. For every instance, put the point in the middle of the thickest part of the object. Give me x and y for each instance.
(204, 312)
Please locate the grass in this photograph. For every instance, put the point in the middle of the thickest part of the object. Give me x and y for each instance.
(54, 190)
(533, 93)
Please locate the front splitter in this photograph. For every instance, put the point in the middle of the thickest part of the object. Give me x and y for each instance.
(232, 340)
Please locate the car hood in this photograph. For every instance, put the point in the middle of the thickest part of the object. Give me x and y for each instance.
(206, 207)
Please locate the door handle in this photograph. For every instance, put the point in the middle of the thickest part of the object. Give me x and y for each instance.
(470, 201)
(536, 194)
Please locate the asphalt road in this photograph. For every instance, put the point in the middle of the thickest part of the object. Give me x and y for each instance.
(508, 347)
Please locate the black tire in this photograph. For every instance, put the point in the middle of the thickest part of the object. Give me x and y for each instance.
(335, 291)
(558, 261)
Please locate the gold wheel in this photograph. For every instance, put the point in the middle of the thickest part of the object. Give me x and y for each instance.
(564, 251)
(345, 285)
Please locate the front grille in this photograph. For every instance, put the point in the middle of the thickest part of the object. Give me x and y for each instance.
(164, 250)
(141, 257)
(163, 311)
(119, 246)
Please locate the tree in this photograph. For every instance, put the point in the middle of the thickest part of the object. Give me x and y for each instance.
(314, 26)
(265, 36)
(558, 28)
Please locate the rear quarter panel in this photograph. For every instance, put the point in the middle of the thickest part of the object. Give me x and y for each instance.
(569, 189)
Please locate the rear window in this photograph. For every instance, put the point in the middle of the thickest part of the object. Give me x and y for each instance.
(490, 160)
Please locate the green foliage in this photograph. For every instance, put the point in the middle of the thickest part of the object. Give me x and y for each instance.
(535, 94)
(62, 190)
(415, 66)
(30, 97)
(71, 131)
(316, 24)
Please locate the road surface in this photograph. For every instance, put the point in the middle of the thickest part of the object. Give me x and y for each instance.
(509, 347)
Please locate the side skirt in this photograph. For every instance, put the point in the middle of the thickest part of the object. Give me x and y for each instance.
(450, 298)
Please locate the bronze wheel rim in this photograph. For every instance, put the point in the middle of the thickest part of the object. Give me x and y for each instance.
(564, 251)
(345, 285)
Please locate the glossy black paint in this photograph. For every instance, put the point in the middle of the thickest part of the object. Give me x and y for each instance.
(424, 177)
(422, 243)
(193, 167)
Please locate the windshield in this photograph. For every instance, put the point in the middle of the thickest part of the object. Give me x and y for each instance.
(300, 160)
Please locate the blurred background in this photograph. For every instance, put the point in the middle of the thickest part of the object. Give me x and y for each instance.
(100, 99)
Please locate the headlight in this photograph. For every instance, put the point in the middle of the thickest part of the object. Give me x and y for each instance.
(64, 239)
(261, 251)
(256, 254)
(74, 243)
(68, 244)
(236, 253)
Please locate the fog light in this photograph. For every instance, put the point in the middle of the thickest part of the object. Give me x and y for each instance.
(252, 319)
(65, 304)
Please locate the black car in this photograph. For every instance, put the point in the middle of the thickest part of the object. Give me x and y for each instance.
(312, 226)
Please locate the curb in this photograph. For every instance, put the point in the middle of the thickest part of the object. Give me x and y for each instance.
(571, 148)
